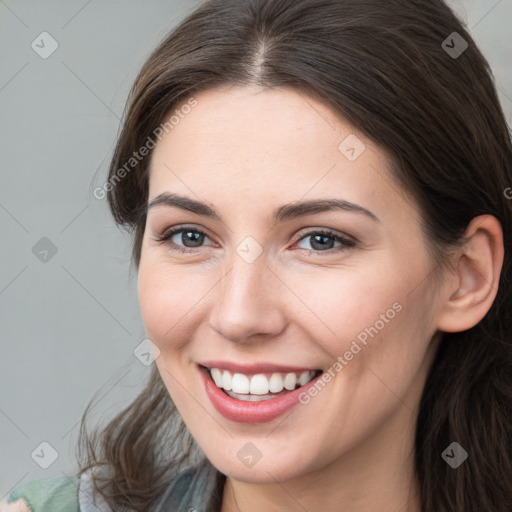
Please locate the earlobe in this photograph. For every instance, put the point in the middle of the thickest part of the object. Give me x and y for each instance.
(477, 269)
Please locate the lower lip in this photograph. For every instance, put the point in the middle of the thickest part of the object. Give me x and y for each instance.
(250, 412)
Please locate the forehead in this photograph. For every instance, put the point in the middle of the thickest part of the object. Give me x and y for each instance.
(246, 118)
(240, 143)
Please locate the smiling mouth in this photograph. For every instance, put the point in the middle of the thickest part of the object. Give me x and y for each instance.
(260, 386)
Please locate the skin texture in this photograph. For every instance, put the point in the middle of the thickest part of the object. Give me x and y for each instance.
(245, 151)
(15, 506)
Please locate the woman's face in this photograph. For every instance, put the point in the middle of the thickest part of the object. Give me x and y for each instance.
(256, 285)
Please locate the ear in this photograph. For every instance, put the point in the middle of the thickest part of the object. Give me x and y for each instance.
(472, 288)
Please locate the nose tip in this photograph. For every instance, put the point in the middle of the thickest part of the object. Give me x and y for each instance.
(246, 306)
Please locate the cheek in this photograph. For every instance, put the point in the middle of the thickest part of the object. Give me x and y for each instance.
(154, 300)
(346, 302)
(378, 316)
(385, 348)
(161, 305)
(171, 299)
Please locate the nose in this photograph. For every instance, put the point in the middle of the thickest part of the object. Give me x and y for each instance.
(248, 302)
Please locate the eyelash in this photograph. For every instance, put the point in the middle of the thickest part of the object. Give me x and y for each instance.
(346, 243)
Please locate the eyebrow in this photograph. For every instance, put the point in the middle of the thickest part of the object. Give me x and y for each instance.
(282, 213)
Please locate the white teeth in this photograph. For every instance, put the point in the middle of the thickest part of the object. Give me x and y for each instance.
(250, 398)
(217, 376)
(290, 381)
(304, 378)
(259, 384)
(275, 384)
(240, 383)
(226, 380)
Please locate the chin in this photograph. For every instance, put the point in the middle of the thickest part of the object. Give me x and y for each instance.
(267, 469)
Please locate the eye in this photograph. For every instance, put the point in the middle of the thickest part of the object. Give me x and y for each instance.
(322, 241)
(191, 238)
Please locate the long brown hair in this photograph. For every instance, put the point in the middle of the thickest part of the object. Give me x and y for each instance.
(397, 72)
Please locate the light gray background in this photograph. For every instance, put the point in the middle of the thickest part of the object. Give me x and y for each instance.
(70, 325)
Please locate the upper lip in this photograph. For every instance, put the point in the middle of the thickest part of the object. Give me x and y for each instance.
(250, 368)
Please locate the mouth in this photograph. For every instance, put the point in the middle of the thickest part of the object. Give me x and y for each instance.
(255, 397)
(257, 387)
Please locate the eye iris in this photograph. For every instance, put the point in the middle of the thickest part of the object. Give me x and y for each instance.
(322, 245)
(193, 239)
(196, 238)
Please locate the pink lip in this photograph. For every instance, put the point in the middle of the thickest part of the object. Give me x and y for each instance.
(249, 369)
(250, 412)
